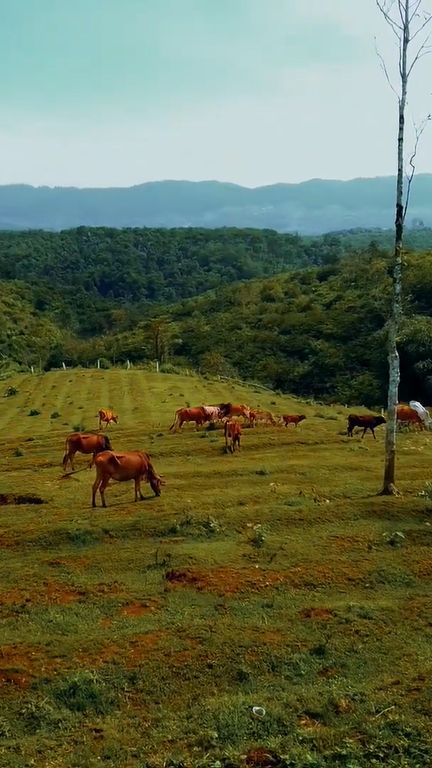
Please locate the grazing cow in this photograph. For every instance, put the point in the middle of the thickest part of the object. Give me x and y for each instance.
(232, 432)
(106, 415)
(84, 443)
(228, 410)
(294, 419)
(134, 465)
(369, 421)
(212, 413)
(266, 417)
(197, 415)
(407, 415)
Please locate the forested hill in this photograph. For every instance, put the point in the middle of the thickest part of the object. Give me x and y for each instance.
(157, 265)
(310, 207)
(317, 331)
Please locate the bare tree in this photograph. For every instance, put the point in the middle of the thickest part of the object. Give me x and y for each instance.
(409, 22)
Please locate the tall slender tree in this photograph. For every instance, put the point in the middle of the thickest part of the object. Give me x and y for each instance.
(409, 22)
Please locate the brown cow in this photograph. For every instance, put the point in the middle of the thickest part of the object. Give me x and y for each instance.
(228, 410)
(106, 415)
(407, 415)
(232, 432)
(134, 465)
(368, 421)
(292, 419)
(84, 443)
(198, 415)
(266, 417)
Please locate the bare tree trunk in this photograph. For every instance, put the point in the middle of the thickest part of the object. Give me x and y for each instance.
(389, 487)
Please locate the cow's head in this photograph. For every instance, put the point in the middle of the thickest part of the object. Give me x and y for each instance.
(106, 443)
(300, 418)
(156, 481)
(380, 420)
(114, 418)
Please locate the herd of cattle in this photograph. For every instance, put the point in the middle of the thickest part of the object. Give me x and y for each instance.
(137, 465)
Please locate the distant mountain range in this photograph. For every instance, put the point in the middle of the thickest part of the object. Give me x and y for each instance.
(311, 207)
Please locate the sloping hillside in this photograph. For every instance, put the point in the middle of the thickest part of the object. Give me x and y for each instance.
(145, 633)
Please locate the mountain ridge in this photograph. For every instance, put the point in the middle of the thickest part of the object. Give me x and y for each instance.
(313, 206)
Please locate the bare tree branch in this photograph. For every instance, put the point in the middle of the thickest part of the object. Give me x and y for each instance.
(418, 133)
(397, 28)
(385, 70)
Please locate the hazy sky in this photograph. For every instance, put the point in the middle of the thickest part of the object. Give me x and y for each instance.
(118, 92)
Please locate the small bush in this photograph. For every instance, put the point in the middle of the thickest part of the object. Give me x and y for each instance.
(18, 452)
(34, 412)
(170, 368)
(55, 415)
(11, 391)
(85, 692)
(427, 492)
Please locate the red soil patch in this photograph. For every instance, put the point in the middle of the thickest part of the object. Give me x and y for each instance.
(134, 610)
(230, 581)
(20, 664)
(54, 592)
(136, 650)
(225, 581)
(260, 757)
(317, 614)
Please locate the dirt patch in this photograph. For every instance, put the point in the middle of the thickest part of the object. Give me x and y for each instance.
(21, 664)
(11, 498)
(317, 614)
(55, 593)
(135, 610)
(225, 581)
(261, 757)
(231, 581)
(135, 651)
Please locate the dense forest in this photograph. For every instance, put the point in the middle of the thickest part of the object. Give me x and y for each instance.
(305, 315)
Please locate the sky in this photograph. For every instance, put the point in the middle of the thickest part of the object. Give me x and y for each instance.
(98, 93)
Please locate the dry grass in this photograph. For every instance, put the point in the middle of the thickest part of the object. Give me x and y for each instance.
(145, 633)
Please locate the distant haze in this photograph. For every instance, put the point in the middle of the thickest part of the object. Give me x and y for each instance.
(312, 207)
(104, 93)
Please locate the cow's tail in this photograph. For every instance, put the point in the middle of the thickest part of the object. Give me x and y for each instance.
(175, 423)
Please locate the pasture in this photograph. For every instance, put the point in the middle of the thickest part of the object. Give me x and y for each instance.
(144, 634)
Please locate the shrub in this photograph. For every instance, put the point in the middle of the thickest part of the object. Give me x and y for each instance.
(34, 412)
(55, 415)
(104, 363)
(11, 391)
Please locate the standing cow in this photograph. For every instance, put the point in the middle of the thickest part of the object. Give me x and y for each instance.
(198, 415)
(232, 432)
(367, 421)
(106, 415)
(410, 416)
(134, 465)
(292, 419)
(80, 442)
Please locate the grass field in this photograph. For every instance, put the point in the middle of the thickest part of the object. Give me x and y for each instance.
(144, 634)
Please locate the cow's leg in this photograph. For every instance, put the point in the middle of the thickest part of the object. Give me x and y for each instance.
(66, 458)
(95, 487)
(71, 459)
(102, 487)
(373, 432)
(92, 460)
(364, 432)
(138, 494)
